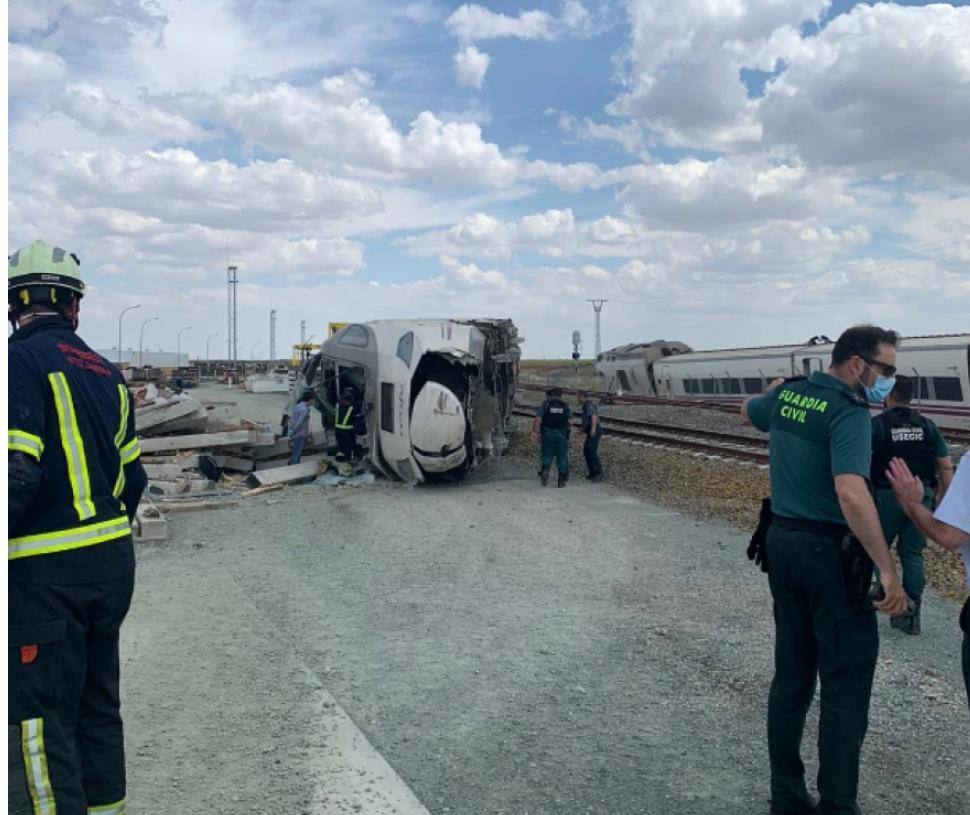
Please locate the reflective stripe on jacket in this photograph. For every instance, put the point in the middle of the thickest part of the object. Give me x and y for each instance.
(70, 410)
(346, 424)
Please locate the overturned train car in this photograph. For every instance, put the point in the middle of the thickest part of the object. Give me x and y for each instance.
(437, 394)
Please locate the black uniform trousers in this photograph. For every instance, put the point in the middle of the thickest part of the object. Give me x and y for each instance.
(65, 735)
(346, 439)
(591, 453)
(819, 630)
(965, 625)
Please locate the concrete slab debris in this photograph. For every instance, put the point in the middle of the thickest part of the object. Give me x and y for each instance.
(291, 474)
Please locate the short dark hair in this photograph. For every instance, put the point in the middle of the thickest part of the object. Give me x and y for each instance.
(555, 393)
(307, 396)
(902, 391)
(862, 341)
(583, 394)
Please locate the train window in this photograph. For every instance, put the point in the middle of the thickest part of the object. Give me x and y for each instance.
(405, 348)
(730, 385)
(707, 386)
(355, 335)
(924, 388)
(624, 382)
(387, 407)
(948, 388)
(752, 384)
(692, 386)
(635, 380)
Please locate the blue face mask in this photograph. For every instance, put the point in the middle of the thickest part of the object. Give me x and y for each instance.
(877, 392)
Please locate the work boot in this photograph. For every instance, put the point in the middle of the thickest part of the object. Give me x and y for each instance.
(544, 476)
(909, 622)
(562, 481)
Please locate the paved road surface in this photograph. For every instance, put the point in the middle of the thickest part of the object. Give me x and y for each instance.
(490, 648)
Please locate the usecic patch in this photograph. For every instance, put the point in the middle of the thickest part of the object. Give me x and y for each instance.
(28, 653)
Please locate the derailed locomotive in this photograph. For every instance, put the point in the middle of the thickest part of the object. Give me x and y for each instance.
(437, 394)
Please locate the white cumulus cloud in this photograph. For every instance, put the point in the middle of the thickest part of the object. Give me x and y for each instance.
(470, 66)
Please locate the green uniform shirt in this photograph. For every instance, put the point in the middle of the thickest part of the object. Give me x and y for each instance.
(819, 429)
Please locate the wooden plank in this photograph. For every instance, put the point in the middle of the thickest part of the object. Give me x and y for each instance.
(196, 506)
(198, 441)
(291, 474)
(280, 448)
(260, 490)
(163, 472)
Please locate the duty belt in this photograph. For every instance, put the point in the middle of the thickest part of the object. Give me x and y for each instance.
(825, 529)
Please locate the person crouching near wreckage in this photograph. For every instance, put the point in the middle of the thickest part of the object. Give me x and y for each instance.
(348, 422)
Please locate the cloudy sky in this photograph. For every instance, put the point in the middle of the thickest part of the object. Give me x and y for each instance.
(724, 172)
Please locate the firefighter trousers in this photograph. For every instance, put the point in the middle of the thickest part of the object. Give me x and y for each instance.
(65, 737)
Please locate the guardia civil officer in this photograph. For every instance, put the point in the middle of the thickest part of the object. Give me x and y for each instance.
(74, 484)
(900, 431)
(592, 432)
(824, 624)
(552, 424)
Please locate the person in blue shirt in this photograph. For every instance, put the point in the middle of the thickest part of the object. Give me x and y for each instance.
(299, 426)
(592, 431)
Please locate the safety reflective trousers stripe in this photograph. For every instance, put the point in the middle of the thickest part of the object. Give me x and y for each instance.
(120, 439)
(117, 808)
(25, 442)
(345, 425)
(77, 465)
(35, 766)
(46, 543)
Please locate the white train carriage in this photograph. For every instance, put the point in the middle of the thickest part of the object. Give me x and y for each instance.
(630, 368)
(940, 365)
(437, 393)
(660, 368)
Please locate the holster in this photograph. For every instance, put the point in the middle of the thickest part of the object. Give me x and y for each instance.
(857, 570)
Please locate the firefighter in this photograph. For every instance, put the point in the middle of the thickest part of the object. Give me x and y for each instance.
(551, 426)
(345, 416)
(73, 487)
(902, 432)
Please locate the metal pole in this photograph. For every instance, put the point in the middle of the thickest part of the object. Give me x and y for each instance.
(597, 308)
(211, 336)
(302, 332)
(232, 277)
(178, 346)
(119, 328)
(141, 340)
(272, 333)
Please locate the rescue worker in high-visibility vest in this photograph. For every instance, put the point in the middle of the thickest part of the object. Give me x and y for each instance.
(551, 423)
(901, 432)
(73, 487)
(345, 417)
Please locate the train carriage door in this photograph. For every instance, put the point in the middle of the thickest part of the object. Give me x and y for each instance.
(663, 382)
(810, 365)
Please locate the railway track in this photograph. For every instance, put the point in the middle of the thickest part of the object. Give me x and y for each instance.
(708, 442)
(952, 435)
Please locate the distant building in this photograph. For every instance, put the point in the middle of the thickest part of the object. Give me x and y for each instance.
(154, 359)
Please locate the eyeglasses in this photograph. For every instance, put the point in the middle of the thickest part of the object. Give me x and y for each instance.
(887, 370)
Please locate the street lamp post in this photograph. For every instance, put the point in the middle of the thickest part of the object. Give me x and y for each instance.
(207, 339)
(141, 340)
(119, 328)
(178, 346)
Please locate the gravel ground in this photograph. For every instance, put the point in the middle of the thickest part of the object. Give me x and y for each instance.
(507, 648)
(729, 491)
